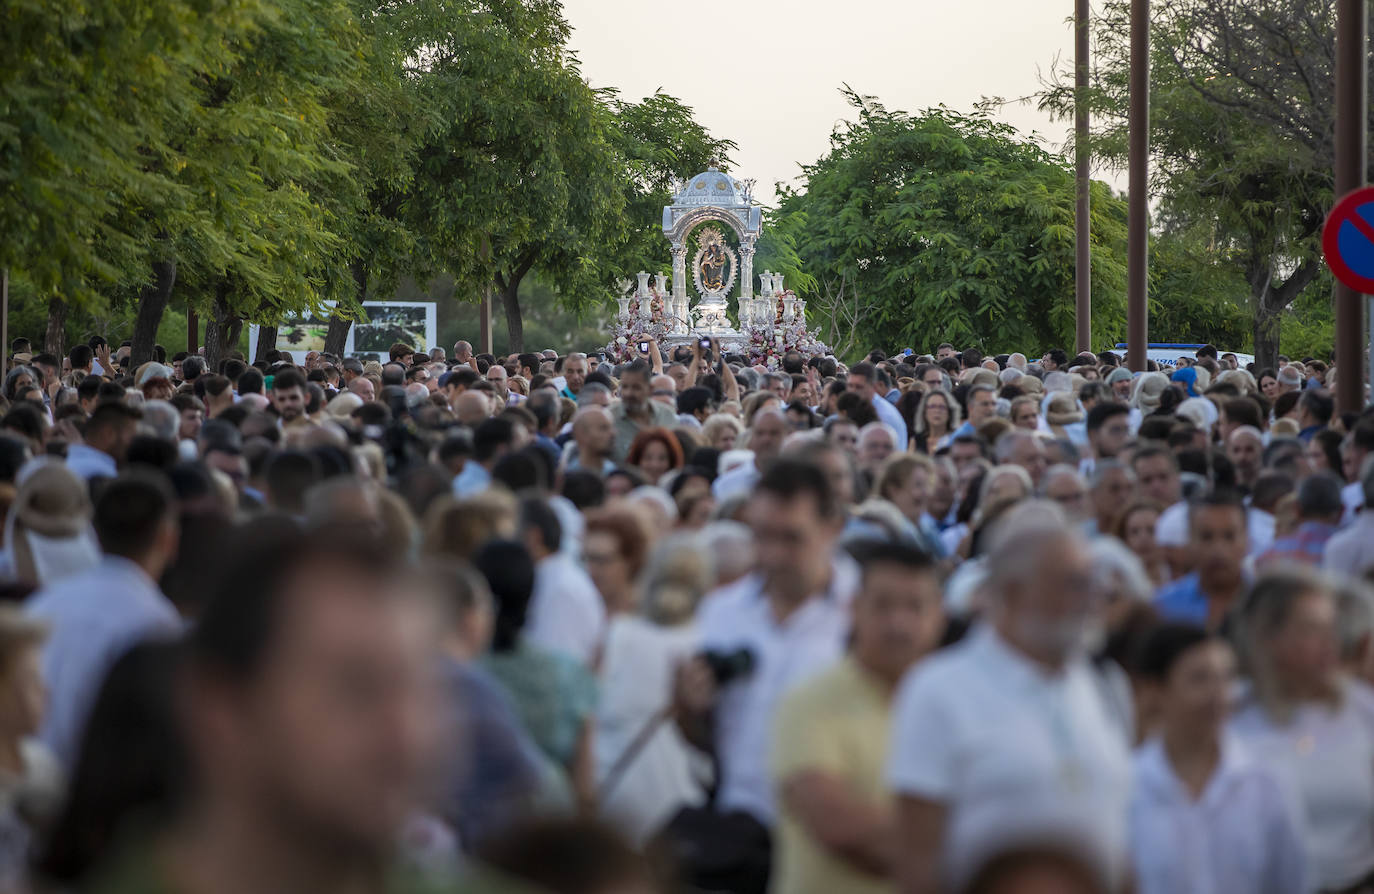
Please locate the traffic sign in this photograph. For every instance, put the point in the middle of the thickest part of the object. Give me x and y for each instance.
(1348, 240)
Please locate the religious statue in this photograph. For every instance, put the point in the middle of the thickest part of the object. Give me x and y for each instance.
(713, 261)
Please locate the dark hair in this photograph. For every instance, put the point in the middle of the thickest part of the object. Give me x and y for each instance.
(250, 382)
(871, 554)
(584, 489)
(1217, 498)
(80, 356)
(1163, 646)
(1151, 451)
(867, 371)
(1319, 403)
(151, 451)
(14, 453)
(192, 367)
(637, 367)
(1319, 496)
(25, 419)
(694, 399)
(522, 470)
(286, 380)
(1103, 411)
(568, 856)
(244, 610)
(1329, 443)
(130, 513)
(509, 570)
(789, 478)
(491, 435)
(538, 515)
(131, 764)
(289, 475)
(971, 357)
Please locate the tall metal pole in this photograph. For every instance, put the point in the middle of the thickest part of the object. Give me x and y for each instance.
(1351, 139)
(5, 309)
(1137, 216)
(1083, 330)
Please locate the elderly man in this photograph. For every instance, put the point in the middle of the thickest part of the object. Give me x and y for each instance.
(1024, 449)
(663, 389)
(1056, 767)
(1113, 489)
(497, 376)
(765, 438)
(471, 407)
(1245, 450)
(636, 411)
(1065, 486)
(462, 353)
(574, 374)
(875, 446)
(363, 388)
(1290, 379)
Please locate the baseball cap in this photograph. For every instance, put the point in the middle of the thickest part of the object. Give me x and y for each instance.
(221, 436)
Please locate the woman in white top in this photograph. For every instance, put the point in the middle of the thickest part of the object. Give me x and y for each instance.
(1206, 817)
(645, 771)
(1310, 724)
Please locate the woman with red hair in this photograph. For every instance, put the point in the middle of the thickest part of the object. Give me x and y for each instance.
(655, 452)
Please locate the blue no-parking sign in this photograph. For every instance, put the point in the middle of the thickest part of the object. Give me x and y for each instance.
(1348, 240)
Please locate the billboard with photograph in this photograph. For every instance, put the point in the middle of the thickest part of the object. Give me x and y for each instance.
(388, 322)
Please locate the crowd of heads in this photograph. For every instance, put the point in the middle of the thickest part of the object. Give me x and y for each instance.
(453, 609)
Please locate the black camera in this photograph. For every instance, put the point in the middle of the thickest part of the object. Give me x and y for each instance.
(727, 667)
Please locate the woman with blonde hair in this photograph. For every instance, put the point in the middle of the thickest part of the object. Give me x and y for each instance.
(721, 431)
(1310, 723)
(907, 480)
(458, 528)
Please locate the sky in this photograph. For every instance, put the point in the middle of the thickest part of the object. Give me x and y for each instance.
(767, 73)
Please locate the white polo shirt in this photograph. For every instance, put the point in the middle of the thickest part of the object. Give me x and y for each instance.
(1241, 835)
(811, 640)
(1013, 751)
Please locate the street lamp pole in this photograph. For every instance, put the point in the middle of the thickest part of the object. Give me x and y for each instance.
(1351, 145)
(1137, 216)
(1083, 332)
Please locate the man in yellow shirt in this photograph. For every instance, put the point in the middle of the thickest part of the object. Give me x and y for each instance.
(830, 744)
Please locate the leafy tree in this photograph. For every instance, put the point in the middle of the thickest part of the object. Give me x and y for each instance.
(947, 226)
(1241, 133)
(523, 177)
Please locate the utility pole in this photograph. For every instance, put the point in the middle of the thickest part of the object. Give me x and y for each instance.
(1138, 212)
(1351, 145)
(1083, 330)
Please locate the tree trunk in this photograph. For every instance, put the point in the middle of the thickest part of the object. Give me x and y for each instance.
(1267, 326)
(515, 323)
(336, 339)
(217, 333)
(152, 301)
(55, 340)
(267, 341)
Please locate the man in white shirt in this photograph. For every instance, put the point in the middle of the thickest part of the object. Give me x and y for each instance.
(107, 436)
(765, 438)
(863, 381)
(790, 616)
(1010, 734)
(99, 614)
(1349, 550)
(566, 612)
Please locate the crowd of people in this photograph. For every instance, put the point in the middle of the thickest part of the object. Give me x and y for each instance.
(448, 621)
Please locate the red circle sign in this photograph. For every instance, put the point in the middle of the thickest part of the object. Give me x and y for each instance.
(1348, 240)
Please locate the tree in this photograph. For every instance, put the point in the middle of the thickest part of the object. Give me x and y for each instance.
(1241, 133)
(952, 228)
(522, 177)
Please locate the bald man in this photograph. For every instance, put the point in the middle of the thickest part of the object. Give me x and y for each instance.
(471, 408)
(663, 389)
(765, 438)
(1245, 450)
(592, 442)
(363, 388)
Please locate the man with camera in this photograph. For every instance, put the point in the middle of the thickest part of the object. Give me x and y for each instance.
(761, 636)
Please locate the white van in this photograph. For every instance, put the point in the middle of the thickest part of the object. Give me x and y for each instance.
(1168, 354)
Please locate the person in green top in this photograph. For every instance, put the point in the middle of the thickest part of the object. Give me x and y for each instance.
(831, 737)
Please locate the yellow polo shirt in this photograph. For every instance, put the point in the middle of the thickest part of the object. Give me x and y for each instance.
(837, 722)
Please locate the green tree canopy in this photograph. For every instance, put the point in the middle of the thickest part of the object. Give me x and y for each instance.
(947, 226)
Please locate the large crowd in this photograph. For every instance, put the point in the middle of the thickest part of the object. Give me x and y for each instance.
(448, 621)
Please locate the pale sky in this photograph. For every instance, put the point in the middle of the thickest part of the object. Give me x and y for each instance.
(767, 73)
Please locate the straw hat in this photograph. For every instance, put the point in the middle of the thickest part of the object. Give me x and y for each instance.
(1062, 409)
(1148, 389)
